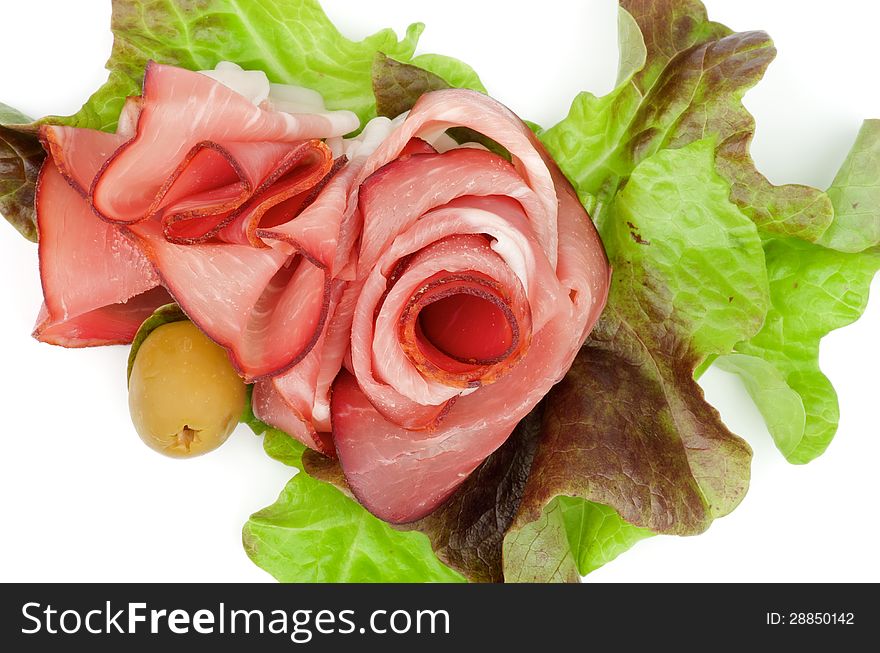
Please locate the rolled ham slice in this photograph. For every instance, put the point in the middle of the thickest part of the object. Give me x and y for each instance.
(399, 301)
(479, 281)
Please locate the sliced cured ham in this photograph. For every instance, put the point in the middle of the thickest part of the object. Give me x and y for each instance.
(399, 301)
(480, 279)
(265, 301)
(266, 306)
(97, 285)
(423, 181)
(133, 184)
(114, 324)
(229, 192)
(438, 111)
(212, 196)
(298, 401)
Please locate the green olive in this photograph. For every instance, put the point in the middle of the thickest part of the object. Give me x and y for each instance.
(184, 396)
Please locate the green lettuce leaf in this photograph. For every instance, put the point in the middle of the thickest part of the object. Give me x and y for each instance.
(628, 428)
(782, 408)
(21, 157)
(579, 536)
(855, 194)
(682, 79)
(814, 290)
(467, 531)
(293, 41)
(596, 533)
(315, 533)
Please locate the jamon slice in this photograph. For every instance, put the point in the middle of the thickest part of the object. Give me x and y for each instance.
(267, 306)
(401, 475)
(115, 324)
(437, 111)
(421, 182)
(280, 198)
(97, 286)
(265, 302)
(131, 186)
(511, 257)
(228, 192)
(179, 194)
(428, 244)
(78, 154)
(297, 401)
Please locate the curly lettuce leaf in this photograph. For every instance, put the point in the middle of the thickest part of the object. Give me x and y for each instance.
(315, 533)
(855, 194)
(782, 408)
(293, 41)
(21, 157)
(682, 79)
(814, 290)
(628, 427)
(578, 536)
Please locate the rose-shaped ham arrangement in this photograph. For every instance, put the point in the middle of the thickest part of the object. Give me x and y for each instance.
(398, 300)
(394, 282)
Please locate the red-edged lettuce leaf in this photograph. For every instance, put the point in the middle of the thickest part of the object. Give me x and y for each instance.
(814, 289)
(628, 427)
(682, 79)
(21, 157)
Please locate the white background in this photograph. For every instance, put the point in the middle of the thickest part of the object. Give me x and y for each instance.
(82, 499)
